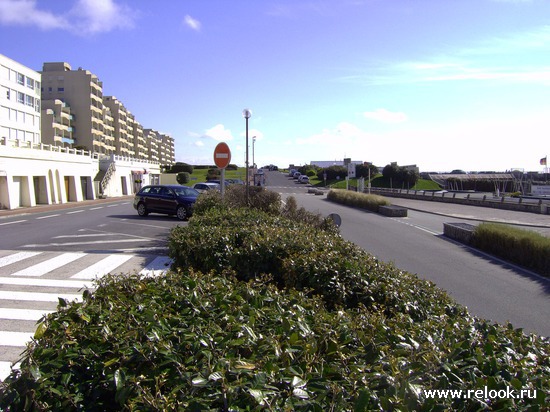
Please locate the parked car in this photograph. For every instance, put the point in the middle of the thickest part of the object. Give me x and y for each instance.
(166, 199)
(297, 175)
(219, 182)
(203, 187)
(303, 179)
(291, 172)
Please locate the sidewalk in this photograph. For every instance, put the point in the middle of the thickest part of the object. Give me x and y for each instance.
(47, 208)
(478, 213)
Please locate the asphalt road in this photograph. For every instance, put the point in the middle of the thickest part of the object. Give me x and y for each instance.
(55, 252)
(489, 287)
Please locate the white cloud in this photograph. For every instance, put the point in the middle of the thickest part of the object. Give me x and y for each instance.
(97, 16)
(85, 17)
(385, 116)
(219, 133)
(26, 13)
(192, 23)
(199, 143)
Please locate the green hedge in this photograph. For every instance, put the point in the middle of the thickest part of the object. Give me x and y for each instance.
(526, 248)
(266, 313)
(362, 200)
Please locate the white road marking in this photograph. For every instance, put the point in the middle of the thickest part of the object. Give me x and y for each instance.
(102, 267)
(38, 296)
(47, 266)
(15, 338)
(46, 217)
(17, 257)
(23, 314)
(11, 223)
(87, 243)
(79, 236)
(157, 267)
(75, 211)
(49, 283)
(96, 208)
(5, 369)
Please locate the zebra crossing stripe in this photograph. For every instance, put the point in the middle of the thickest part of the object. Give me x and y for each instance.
(38, 296)
(49, 283)
(16, 257)
(6, 367)
(158, 266)
(15, 338)
(23, 314)
(104, 266)
(49, 265)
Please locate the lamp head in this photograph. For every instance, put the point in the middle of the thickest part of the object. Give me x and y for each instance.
(247, 113)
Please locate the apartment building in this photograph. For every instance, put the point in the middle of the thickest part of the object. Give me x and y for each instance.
(82, 91)
(56, 119)
(19, 102)
(124, 132)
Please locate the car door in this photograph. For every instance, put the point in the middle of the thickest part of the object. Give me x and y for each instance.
(167, 200)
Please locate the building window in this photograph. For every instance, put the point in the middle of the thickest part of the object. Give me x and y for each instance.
(20, 97)
(8, 94)
(61, 89)
(37, 105)
(29, 100)
(20, 78)
(30, 83)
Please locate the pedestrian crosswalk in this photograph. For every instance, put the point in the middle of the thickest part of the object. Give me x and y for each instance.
(31, 283)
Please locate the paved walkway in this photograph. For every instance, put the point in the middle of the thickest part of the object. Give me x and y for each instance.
(475, 212)
(48, 208)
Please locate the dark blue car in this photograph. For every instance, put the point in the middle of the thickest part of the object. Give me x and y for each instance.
(167, 199)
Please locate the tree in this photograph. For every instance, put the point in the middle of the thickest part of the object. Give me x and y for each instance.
(180, 167)
(183, 178)
(363, 170)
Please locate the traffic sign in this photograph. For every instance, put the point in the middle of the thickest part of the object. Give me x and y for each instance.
(222, 155)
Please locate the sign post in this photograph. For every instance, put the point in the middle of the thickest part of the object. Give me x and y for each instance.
(222, 157)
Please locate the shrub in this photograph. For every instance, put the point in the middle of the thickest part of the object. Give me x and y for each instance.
(183, 178)
(193, 340)
(525, 248)
(362, 200)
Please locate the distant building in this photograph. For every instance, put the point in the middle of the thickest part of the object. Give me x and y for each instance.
(19, 102)
(327, 163)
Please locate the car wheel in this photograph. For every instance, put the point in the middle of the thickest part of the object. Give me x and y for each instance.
(142, 210)
(181, 213)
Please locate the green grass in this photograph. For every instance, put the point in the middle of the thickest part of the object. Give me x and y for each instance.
(199, 175)
(523, 247)
(361, 200)
(378, 181)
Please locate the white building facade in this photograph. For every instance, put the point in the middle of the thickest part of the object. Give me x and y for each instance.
(19, 102)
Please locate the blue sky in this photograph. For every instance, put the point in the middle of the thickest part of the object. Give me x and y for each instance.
(458, 84)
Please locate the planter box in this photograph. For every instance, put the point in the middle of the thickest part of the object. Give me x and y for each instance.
(461, 232)
(393, 211)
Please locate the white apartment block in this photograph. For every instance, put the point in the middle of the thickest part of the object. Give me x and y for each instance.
(62, 141)
(19, 102)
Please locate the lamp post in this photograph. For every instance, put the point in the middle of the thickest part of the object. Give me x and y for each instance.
(253, 161)
(246, 114)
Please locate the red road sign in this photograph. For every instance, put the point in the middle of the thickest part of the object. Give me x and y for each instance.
(222, 155)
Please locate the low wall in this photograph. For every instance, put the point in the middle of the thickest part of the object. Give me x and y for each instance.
(502, 203)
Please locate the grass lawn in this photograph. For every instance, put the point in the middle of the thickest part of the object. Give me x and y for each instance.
(378, 181)
(199, 175)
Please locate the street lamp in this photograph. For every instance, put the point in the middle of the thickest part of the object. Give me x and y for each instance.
(253, 161)
(246, 114)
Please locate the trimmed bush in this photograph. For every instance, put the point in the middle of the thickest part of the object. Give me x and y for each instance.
(183, 178)
(525, 248)
(362, 200)
(361, 335)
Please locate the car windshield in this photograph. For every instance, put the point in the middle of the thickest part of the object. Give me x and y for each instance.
(185, 191)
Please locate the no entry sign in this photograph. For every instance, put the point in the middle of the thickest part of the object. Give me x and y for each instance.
(222, 155)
